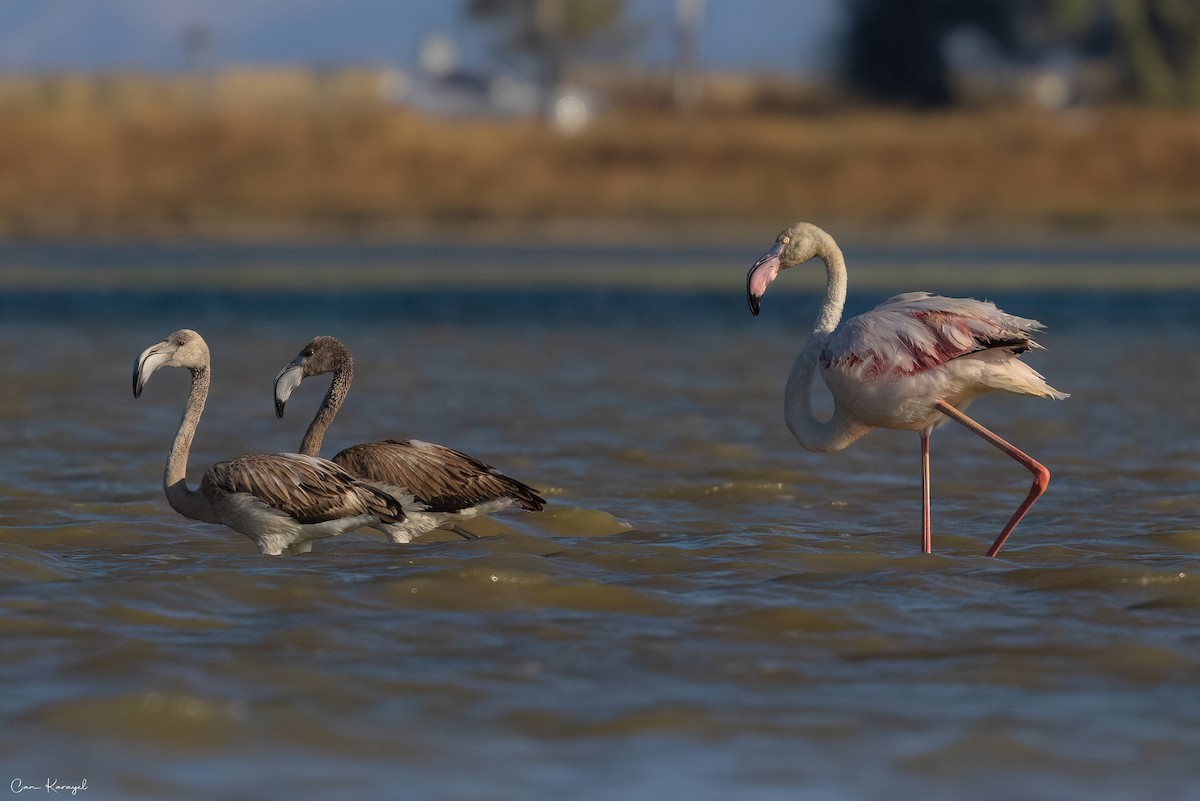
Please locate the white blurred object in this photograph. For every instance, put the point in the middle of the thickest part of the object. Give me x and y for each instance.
(439, 55)
(572, 113)
(1051, 90)
(458, 92)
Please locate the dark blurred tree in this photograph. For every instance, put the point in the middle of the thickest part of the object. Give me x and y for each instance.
(893, 50)
(1154, 44)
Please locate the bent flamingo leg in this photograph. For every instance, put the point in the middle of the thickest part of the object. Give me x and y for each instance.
(926, 533)
(1041, 475)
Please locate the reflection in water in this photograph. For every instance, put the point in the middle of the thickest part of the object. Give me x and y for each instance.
(704, 610)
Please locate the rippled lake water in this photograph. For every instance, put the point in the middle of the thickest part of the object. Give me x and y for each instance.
(704, 610)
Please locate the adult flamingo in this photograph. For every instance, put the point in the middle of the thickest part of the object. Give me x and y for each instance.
(909, 363)
(281, 501)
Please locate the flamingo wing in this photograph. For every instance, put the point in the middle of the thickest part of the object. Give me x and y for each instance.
(441, 479)
(305, 488)
(914, 332)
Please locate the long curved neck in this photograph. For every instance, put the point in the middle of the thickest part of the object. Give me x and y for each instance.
(190, 504)
(334, 398)
(841, 429)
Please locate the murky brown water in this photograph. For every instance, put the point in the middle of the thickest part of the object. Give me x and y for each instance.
(705, 611)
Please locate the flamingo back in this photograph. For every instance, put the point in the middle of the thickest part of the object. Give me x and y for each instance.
(917, 331)
(441, 479)
(304, 488)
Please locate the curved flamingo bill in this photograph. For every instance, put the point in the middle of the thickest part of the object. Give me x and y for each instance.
(761, 274)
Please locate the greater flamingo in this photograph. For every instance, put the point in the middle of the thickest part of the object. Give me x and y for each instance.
(909, 363)
(280, 501)
(440, 487)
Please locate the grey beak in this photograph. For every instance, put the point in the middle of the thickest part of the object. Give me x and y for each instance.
(150, 360)
(287, 380)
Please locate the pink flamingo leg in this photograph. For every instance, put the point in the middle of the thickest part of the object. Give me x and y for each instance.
(1041, 476)
(926, 533)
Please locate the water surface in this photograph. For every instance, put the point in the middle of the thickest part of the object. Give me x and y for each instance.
(704, 610)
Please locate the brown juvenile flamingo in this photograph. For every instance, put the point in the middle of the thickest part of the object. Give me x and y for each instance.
(280, 501)
(440, 487)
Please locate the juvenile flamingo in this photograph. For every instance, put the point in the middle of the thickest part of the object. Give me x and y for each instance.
(909, 363)
(440, 486)
(281, 501)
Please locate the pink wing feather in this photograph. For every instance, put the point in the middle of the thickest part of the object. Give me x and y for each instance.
(917, 331)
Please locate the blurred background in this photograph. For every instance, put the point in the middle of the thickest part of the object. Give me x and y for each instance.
(531, 221)
(597, 119)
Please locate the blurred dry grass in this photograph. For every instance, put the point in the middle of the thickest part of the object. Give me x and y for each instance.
(131, 156)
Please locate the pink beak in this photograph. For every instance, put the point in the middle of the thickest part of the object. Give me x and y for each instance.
(762, 273)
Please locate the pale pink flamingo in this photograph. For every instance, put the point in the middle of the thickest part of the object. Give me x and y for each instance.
(909, 363)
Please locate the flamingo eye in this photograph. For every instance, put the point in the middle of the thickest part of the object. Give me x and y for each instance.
(785, 240)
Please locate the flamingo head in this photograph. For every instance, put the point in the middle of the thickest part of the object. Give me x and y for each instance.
(184, 348)
(796, 245)
(321, 355)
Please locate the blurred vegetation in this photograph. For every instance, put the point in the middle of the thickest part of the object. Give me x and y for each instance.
(528, 28)
(314, 152)
(895, 50)
(535, 36)
(1155, 44)
(302, 152)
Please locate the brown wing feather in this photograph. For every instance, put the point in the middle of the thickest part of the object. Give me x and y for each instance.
(305, 488)
(441, 478)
